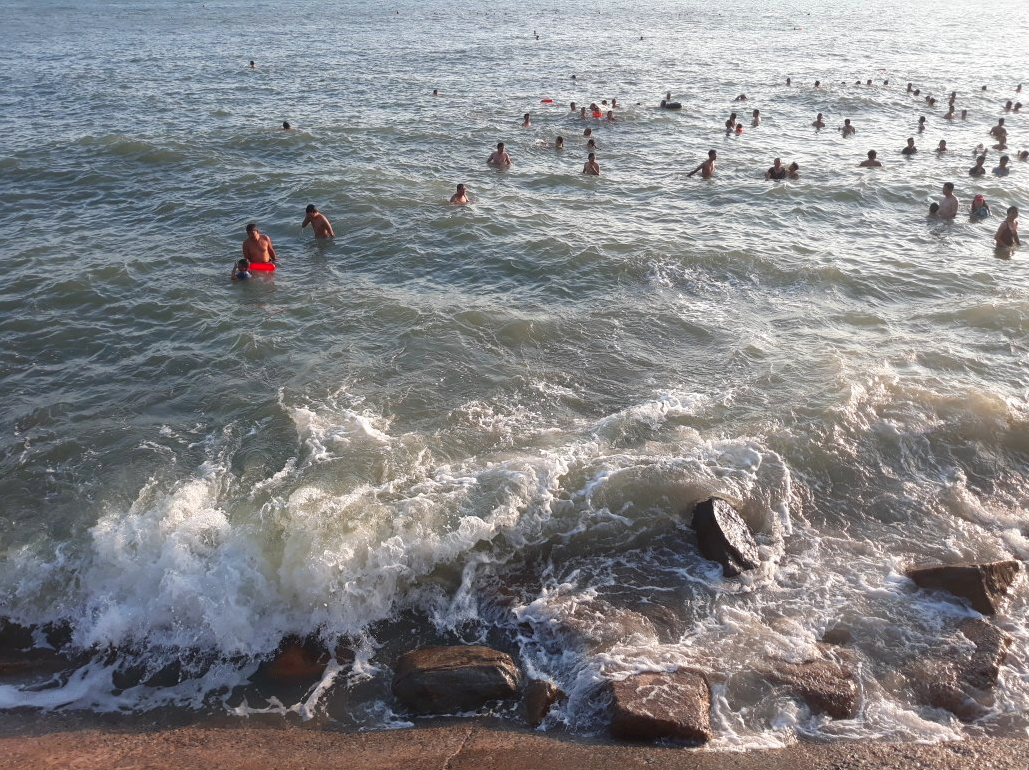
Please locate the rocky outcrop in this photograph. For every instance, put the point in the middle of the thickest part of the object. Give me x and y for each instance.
(299, 660)
(822, 684)
(442, 680)
(21, 657)
(984, 585)
(960, 679)
(540, 696)
(723, 536)
(651, 706)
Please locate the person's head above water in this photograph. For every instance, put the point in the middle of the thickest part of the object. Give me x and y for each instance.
(948, 187)
(435, 92)
(712, 154)
(311, 209)
(587, 131)
(559, 142)
(252, 65)
(286, 126)
(934, 207)
(871, 154)
(243, 264)
(252, 228)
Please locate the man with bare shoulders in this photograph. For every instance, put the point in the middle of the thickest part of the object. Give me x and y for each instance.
(871, 162)
(591, 167)
(500, 158)
(258, 246)
(321, 226)
(707, 168)
(460, 197)
(949, 204)
(1007, 233)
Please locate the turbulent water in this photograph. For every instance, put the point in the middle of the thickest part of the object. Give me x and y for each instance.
(490, 422)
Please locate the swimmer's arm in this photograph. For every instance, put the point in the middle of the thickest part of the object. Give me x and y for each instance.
(996, 235)
(271, 251)
(306, 222)
(694, 171)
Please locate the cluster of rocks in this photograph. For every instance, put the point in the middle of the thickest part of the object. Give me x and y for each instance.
(670, 704)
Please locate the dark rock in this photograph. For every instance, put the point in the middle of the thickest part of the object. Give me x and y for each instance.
(299, 660)
(539, 696)
(440, 680)
(822, 684)
(984, 585)
(960, 680)
(838, 635)
(19, 657)
(651, 706)
(724, 537)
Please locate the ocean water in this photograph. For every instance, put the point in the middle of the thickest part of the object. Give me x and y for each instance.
(489, 423)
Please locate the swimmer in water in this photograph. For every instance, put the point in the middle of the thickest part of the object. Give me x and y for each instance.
(979, 169)
(525, 121)
(818, 84)
(998, 129)
(1002, 169)
(793, 171)
(910, 149)
(949, 114)
(258, 246)
(871, 162)
(740, 98)
(950, 203)
(572, 107)
(614, 104)
(321, 226)
(610, 116)
(460, 197)
(777, 171)
(499, 158)
(582, 113)
(847, 129)
(730, 124)
(921, 124)
(942, 146)
(979, 209)
(592, 145)
(707, 168)
(1006, 236)
(789, 81)
(587, 132)
(591, 167)
(1023, 155)
(559, 143)
(964, 114)
(252, 65)
(755, 119)
(241, 271)
(818, 122)
(286, 126)
(1008, 105)
(934, 209)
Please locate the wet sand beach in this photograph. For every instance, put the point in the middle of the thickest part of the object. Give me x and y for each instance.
(63, 742)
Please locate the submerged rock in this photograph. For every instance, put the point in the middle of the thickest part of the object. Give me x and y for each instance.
(651, 706)
(441, 680)
(984, 585)
(723, 536)
(298, 660)
(539, 696)
(960, 679)
(822, 684)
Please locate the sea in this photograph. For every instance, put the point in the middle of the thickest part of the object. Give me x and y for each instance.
(489, 423)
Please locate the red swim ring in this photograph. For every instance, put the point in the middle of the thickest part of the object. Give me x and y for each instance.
(546, 101)
(269, 266)
(598, 114)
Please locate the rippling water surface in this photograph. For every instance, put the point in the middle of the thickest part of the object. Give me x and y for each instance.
(486, 422)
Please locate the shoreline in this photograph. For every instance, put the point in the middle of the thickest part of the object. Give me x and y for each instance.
(27, 741)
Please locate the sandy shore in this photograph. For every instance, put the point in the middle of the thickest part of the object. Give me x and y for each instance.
(30, 741)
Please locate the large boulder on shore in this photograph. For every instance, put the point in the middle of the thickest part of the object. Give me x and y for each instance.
(652, 706)
(961, 677)
(442, 680)
(821, 684)
(723, 536)
(984, 585)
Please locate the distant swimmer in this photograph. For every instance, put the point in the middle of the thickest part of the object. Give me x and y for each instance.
(964, 114)
(730, 124)
(911, 87)
(587, 132)
(921, 124)
(461, 196)
(740, 98)
(847, 129)
(707, 168)
(572, 107)
(286, 126)
(526, 122)
(818, 84)
(979, 209)
(1018, 88)
(668, 96)
(979, 169)
(818, 122)
(582, 113)
(1002, 169)
(934, 209)
(868, 82)
(499, 158)
(252, 65)
(1023, 155)
(435, 92)
(870, 162)
(739, 129)
(610, 116)
(671, 105)
(942, 146)
(1007, 233)
(591, 167)
(755, 118)
(910, 149)
(1008, 105)
(789, 81)
(241, 271)
(1017, 107)
(592, 145)
(258, 246)
(950, 203)
(614, 103)
(949, 114)
(559, 143)
(319, 223)
(777, 171)
(794, 170)
(998, 129)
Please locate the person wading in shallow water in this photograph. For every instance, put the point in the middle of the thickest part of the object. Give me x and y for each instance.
(258, 246)
(707, 168)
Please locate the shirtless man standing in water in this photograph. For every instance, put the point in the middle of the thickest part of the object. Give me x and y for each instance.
(707, 168)
(500, 158)
(1007, 233)
(321, 226)
(258, 246)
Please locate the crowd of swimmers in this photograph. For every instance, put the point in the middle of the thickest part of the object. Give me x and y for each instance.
(258, 247)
